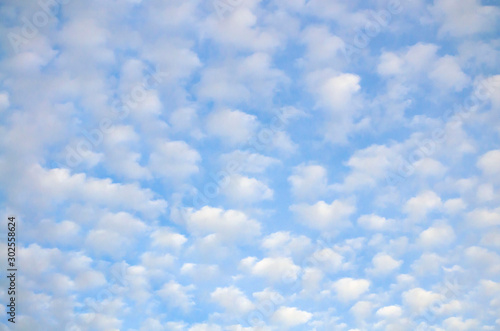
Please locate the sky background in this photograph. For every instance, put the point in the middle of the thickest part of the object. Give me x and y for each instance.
(238, 165)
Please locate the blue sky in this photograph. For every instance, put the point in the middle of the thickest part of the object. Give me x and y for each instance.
(237, 165)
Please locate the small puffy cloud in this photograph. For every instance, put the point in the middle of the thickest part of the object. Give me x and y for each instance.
(483, 259)
(232, 126)
(285, 244)
(327, 260)
(454, 206)
(484, 218)
(232, 299)
(55, 185)
(229, 226)
(174, 160)
(247, 162)
(323, 216)
(308, 182)
(368, 167)
(204, 327)
(422, 59)
(390, 312)
(176, 295)
(376, 223)
(489, 162)
(384, 264)
(458, 324)
(418, 299)
(349, 289)
(4, 100)
(491, 238)
(427, 264)
(428, 167)
(438, 235)
(238, 81)
(337, 95)
(290, 316)
(466, 18)
(275, 269)
(200, 272)
(337, 92)
(164, 237)
(362, 310)
(423, 203)
(322, 46)
(48, 231)
(447, 74)
(185, 119)
(245, 189)
(114, 233)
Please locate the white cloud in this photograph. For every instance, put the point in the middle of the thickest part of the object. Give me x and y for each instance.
(362, 310)
(418, 299)
(322, 47)
(428, 167)
(447, 74)
(290, 316)
(422, 59)
(437, 235)
(484, 218)
(453, 206)
(337, 95)
(231, 126)
(247, 162)
(244, 81)
(376, 223)
(489, 162)
(229, 226)
(349, 289)
(177, 295)
(419, 206)
(4, 100)
(483, 259)
(56, 185)
(384, 264)
(457, 323)
(465, 19)
(164, 237)
(428, 263)
(244, 189)
(174, 160)
(232, 299)
(323, 216)
(285, 244)
(390, 312)
(275, 269)
(308, 182)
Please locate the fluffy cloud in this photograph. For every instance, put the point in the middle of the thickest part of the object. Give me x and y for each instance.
(418, 299)
(176, 295)
(323, 216)
(349, 289)
(244, 189)
(308, 182)
(418, 207)
(174, 160)
(232, 126)
(384, 264)
(376, 223)
(469, 18)
(229, 226)
(275, 269)
(438, 235)
(290, 316)
(232, 299)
